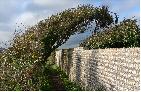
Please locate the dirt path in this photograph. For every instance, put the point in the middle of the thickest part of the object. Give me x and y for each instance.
(57, 83)
(55, 80)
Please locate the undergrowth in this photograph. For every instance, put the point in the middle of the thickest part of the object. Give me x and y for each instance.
(54, 69)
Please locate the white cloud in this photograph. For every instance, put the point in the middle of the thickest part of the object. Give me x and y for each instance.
(59, 4)
(5, 36)
(136, 14)
(51, 3)
(27, 18)
(123, 6)
(30, 18)
(126, 6)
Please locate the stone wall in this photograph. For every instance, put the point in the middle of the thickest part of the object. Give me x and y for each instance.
(102, 69)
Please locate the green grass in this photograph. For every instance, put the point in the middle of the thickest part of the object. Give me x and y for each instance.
(54, 69)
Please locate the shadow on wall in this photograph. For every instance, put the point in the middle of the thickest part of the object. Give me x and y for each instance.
(70, 53)
(84, 70)
(78, 67)
(66, 60)
(94, 83)
(63, 60)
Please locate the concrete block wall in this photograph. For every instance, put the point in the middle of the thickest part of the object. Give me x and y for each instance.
(102, 69)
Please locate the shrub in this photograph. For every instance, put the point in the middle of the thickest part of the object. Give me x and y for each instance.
(125, 34)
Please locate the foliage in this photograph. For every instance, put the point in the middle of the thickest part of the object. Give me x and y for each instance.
(19, 70)
(22, 65)
(69, 86)
(125, 34)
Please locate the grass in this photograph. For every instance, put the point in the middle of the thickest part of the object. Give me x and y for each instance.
(52, 69)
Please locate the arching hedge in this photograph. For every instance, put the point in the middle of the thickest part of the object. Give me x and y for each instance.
(58, 28)
(22, 65)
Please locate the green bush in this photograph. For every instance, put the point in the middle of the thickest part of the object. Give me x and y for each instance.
(125, 34)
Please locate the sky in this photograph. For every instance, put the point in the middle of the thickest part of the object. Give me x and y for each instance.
(30, 12)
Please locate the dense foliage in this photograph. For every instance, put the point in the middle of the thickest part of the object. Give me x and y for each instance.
(22, 65)
(125, 34)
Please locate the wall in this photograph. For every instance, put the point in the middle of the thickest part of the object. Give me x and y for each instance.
(102, 69)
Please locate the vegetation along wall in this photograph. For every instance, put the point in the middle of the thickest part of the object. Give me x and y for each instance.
(102, 69)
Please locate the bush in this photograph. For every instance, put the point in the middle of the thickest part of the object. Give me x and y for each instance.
(125, 34)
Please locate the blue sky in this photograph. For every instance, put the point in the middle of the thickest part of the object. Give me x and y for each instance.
(29, 12)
